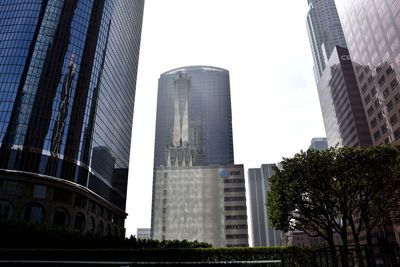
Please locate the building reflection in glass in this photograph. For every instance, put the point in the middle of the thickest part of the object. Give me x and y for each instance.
(67, 88)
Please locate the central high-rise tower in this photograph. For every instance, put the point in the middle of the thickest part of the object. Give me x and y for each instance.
(198, 194)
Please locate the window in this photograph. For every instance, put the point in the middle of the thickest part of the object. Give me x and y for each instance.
(61, 217)
(376, 103)
(393, 119)
(381, 81)
(389, 105)
(6, 210)
(373, 91)
(373, 123)
(238, 226)
(108, 230)
(39, 191)
(380, 116)
(377, 134)
(100, 228)
(237, 236)
(389, 71)
(397, 98)
(386, 92)
(235, 189)
(91, 225)
(394, 84)
(79, 222)
(235, 198)
(9, 187)
(367, 99)
(233, 181)
(370, 79)
(370, 110)
(236, 217)
(397, 134)
(235, 207)
(384, 129)
(33, 213)
(364, 88)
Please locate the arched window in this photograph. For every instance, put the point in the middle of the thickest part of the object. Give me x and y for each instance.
(100, 228)
(61, 217)
(91, 225)
(108, 230)
(6, 210)
(33, 213)
(79, 222)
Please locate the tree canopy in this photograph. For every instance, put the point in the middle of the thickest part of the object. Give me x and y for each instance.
(339, 190)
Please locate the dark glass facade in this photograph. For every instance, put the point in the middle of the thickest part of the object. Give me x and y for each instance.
(67, 88)
(210, 119)
(341, 103)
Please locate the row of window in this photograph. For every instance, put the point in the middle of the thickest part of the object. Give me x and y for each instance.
(35, 213)
(235, 198)
(235, 208)
(63, 196)
(240, 236)
(236, 217)
(234, 189)
(236, 226)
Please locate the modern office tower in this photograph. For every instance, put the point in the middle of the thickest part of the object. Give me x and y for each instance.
(193, 161)
(341, 103)
(325, 32)
(143, 233)
(319, 143)
(263, 233)
(208, 112)
(372, 30)
(67, 88)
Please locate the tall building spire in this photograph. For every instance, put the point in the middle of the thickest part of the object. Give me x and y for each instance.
(325, 32)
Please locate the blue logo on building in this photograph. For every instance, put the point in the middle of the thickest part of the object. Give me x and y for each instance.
(224, 173)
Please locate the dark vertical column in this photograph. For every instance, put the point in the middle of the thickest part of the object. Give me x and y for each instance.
(83, 84)
(11, 129)
(41, 115)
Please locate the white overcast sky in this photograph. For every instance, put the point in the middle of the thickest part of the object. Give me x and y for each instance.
(264, 45)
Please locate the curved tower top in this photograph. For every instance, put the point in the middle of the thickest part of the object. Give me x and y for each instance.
(205, 92)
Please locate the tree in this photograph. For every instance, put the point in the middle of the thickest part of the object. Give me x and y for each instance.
(300, 197)
(339, 190)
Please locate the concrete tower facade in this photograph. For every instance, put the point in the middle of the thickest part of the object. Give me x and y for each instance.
(262, 231)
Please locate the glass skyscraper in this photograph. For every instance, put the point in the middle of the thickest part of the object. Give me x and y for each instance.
(325, 32)
(209, 112)
(372, 30)
(341, 103)
(67, 87)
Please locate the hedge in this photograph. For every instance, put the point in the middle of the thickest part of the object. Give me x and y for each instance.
(289, 255)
